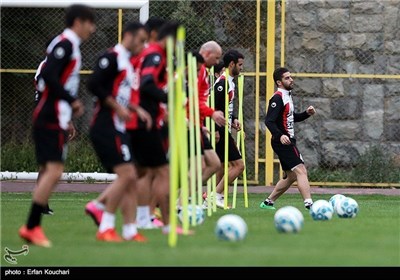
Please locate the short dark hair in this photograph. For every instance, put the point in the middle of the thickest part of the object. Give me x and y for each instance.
(132, 27)
(278, 73)
(169, 28)
(154, 23)
(78, 11)
(232, 55)
(218, 67)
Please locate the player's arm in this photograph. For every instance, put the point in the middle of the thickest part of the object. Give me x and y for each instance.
(275, 108)
(57, 60)
(148, 77)
(298, 117)
(100, 82)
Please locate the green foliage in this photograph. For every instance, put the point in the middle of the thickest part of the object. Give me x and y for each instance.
(376, 165)
(21, 157)
(199, 27)
(329, 175)
(18, 157)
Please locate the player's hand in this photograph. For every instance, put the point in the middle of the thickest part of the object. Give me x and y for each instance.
(236, 125)
(285, 140)
(310, 110)
(77, 108)
(217, 136)
(144, 116)
(71, 131)
(205, 130)
(218, 117)
(123, 113)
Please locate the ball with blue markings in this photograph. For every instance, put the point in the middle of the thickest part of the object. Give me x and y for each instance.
(231, 227)
(288, 219)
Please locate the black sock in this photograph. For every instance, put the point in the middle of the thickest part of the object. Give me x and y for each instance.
(35, 215)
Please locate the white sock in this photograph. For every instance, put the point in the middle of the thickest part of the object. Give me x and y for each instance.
(308, 201)
(268, 200)
(129, 231)
(107, 221)
(99, 205)
(165, 229)
(219, 196)
(143, 215)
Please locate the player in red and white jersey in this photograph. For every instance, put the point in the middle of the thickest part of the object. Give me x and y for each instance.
(58, 82)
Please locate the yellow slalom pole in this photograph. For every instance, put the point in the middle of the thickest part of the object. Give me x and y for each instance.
(234, 194)
(241, 139)
(212, 136)
(180, 122)
(192, 126)
(173, 156)
(226, 158)
(213, 198)
(199, 184)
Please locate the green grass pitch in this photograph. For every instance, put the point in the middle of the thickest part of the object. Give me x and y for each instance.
(370, 239)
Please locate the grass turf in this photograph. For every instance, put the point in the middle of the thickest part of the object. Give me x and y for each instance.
(370, 239)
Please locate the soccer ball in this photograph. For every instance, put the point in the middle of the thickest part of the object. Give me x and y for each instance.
(199, 214)
(288, 219)
(321, 210)
(231, 227)
(335, 199)
(347, 208)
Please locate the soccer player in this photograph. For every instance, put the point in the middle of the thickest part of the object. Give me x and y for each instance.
(149, 150)
(58, 83)
(71, 128)
(233, 61)
(211, 52)
(111, 82)
(280, 121)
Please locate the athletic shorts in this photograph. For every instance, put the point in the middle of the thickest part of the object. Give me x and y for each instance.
(111, 146)
(233, 152)
(289, 156)
(205, 143)
(50, 145)
(148, 147)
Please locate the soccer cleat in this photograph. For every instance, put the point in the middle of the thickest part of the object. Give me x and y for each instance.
(110, 235)
(263, 205)
(48, 211)
(308, 205)
(138, 238)
(157, 222)
(94, 212)
(35, 236)
(204, 195)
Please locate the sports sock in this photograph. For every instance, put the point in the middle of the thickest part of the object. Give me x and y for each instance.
(99, 205)
(129, 231)
(269, 202)
(143, 215)
(35, 215)
(107, 221)
(308, 201)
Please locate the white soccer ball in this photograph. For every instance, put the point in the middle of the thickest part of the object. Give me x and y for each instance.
(199, 214)
(347, 208)
(321, 210)
(231, 227)
(288, 219)
(335, 199)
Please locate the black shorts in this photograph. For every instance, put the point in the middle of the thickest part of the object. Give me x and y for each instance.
(289, 156)
(205, 143)
(233, 152)
(148, 148)
(111, 146)
(50, 145)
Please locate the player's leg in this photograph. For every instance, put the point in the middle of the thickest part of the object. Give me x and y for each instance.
(303, 184)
